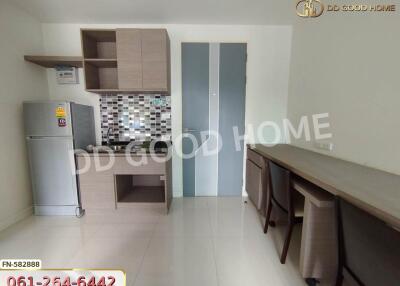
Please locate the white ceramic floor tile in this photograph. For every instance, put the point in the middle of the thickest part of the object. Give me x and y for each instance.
(189, 203)
(124, 216)
(185, 222)
(235, 222)
(242, 262)
(19, 231)
(202, 241)
(124, 253)
(178, 261)
(136, 230)
(51, 239)
(57, 253)
(226, 203)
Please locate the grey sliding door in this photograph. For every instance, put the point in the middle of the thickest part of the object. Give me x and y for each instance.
(213, 88)
(232, 90)
(195, 106)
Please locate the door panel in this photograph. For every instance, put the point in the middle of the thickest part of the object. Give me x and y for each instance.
(51, 161)
(154, 45)
(41, 118)
(232, 101)
(254, 183)
(83, 125)
(129, 45)
(155, 75)
(195, 104)
(154, 59)
(206, 171)
(129, 56)
(130, 75)
(213, 86)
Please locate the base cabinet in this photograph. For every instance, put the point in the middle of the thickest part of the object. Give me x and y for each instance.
(253, 183)
(123, 185)
(255, 179)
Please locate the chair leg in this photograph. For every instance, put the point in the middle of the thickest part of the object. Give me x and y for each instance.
(267, 217)
(287, 242)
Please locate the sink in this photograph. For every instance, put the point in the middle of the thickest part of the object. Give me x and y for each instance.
(107, 149)
(117, 148)
(139, 148)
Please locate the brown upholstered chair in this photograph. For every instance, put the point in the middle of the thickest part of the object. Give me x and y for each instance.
(282, 196)
(369, 249)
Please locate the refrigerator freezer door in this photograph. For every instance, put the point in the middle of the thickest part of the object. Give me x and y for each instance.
(52, 168)
(49, 118)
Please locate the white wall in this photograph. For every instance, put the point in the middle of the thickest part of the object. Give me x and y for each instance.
(19, 81)
(349, 65)
(267, 70)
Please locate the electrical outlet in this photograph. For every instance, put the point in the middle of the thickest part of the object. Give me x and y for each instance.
(165, 116)
(327, 146)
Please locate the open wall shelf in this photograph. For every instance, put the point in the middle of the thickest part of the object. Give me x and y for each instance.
(143, 194)
(140, 189)
(100, 60)
(101, 76)
(53, 61)
(102, 63)
(99, 44)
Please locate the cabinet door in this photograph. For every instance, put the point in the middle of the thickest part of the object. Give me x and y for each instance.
(155, 63)
(254, 183)
(129, 56)
(96, 187)
(53, 182)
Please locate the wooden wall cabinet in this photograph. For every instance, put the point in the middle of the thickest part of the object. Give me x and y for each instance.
(155, 59)
(126, 60)
(129, 51)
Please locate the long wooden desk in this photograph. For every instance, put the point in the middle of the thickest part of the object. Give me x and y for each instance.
(375, 191)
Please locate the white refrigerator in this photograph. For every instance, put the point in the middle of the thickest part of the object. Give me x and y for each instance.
(53, 131)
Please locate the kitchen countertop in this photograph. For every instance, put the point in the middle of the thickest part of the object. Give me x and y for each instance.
(105, 150)
(120, 154)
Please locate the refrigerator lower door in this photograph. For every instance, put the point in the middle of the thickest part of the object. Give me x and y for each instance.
(52, 167)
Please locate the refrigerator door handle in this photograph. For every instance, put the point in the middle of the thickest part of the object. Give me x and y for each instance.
(48, 137)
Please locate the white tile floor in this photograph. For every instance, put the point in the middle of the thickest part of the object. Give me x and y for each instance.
(203, 241)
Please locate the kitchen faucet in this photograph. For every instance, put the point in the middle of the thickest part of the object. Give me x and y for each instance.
(109, 130)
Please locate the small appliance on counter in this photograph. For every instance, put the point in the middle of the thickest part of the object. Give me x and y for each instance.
(53, 131)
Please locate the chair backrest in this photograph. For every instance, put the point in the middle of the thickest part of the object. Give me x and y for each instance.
(279, 185)
(370, 249)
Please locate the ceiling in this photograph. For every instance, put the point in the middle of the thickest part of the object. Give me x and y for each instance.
(220, 12)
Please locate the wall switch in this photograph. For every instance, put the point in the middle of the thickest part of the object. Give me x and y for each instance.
(328, 146)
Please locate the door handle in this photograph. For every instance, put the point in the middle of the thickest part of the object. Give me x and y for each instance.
(189, 130)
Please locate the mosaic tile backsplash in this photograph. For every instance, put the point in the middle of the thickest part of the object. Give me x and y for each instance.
(135, 117)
